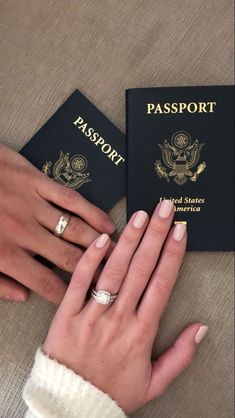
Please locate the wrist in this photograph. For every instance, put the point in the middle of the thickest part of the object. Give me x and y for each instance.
(52, 387)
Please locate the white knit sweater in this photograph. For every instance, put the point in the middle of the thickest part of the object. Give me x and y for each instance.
(53, 390)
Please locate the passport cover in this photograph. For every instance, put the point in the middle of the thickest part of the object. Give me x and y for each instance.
(180, 146)
(80, 148)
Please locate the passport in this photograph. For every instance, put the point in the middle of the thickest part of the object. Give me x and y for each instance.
(180, 146)
(81, 149)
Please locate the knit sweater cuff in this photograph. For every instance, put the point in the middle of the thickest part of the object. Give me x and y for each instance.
(53, 390)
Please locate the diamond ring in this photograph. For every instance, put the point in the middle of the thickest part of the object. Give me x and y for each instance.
(103, 297)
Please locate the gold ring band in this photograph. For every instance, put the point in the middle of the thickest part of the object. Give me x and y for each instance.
(61, 225)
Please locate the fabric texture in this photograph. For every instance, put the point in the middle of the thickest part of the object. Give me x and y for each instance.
(48, 49)
(53, 390)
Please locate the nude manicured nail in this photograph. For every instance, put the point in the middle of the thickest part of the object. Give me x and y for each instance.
(140, 219)
(102, 240)
(203, 330)
(179, 232)
(166, 207)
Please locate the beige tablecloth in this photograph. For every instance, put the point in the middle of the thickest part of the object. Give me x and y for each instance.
(49, 48)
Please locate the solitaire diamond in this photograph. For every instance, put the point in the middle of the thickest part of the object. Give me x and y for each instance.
(103, 297)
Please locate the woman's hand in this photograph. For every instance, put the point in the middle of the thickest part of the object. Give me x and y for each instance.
(110, 345)
(28, 216)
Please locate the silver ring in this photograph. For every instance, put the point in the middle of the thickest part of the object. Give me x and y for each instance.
(61, 225)
(103, 297)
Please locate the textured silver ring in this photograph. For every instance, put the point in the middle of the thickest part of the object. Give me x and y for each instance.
(103, 297)
(61, 225)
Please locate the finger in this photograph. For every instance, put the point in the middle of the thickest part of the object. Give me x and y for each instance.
(77, 231)
(118, 263)
(163, 279)
(10, 290)
(61, 253)
(33, 275)
(82, 277)
(146, 256)
(74, 202)
(176, 359)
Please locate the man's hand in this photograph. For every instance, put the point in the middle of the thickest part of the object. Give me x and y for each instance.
(31, 205)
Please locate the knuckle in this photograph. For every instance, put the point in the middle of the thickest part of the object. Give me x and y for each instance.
(186, 360)
(88, 332)
(128, 238)
(117, 315)
(142, 266)
(157, 230)
(70, 257)
(63, 194)
(174, 251)
(84, 269)
(46, 286)
(97, 212)
(76, 227)
(89, 258)
(141, 336)
(141, 340)
(114, 272)
(14, 223)
(114, 325)
(162, 285)
(79, 280)
(66, 195)
(38, 178)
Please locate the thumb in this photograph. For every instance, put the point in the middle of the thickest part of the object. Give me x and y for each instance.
(11, 290)
(177, 358)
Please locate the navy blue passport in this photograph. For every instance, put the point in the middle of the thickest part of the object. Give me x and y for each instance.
(81, 149)
(180, 146)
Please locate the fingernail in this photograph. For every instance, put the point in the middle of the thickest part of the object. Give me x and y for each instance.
(109, 227)
(15, 297)
(203, 330)
(166, 207)
(139, 219)
(179, 232)
(102, 240)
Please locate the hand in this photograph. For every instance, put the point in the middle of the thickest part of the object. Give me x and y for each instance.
(28, 216)
(110, 345)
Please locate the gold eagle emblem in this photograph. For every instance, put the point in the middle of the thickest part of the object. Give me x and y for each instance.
(68, 170)
(180, 156)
